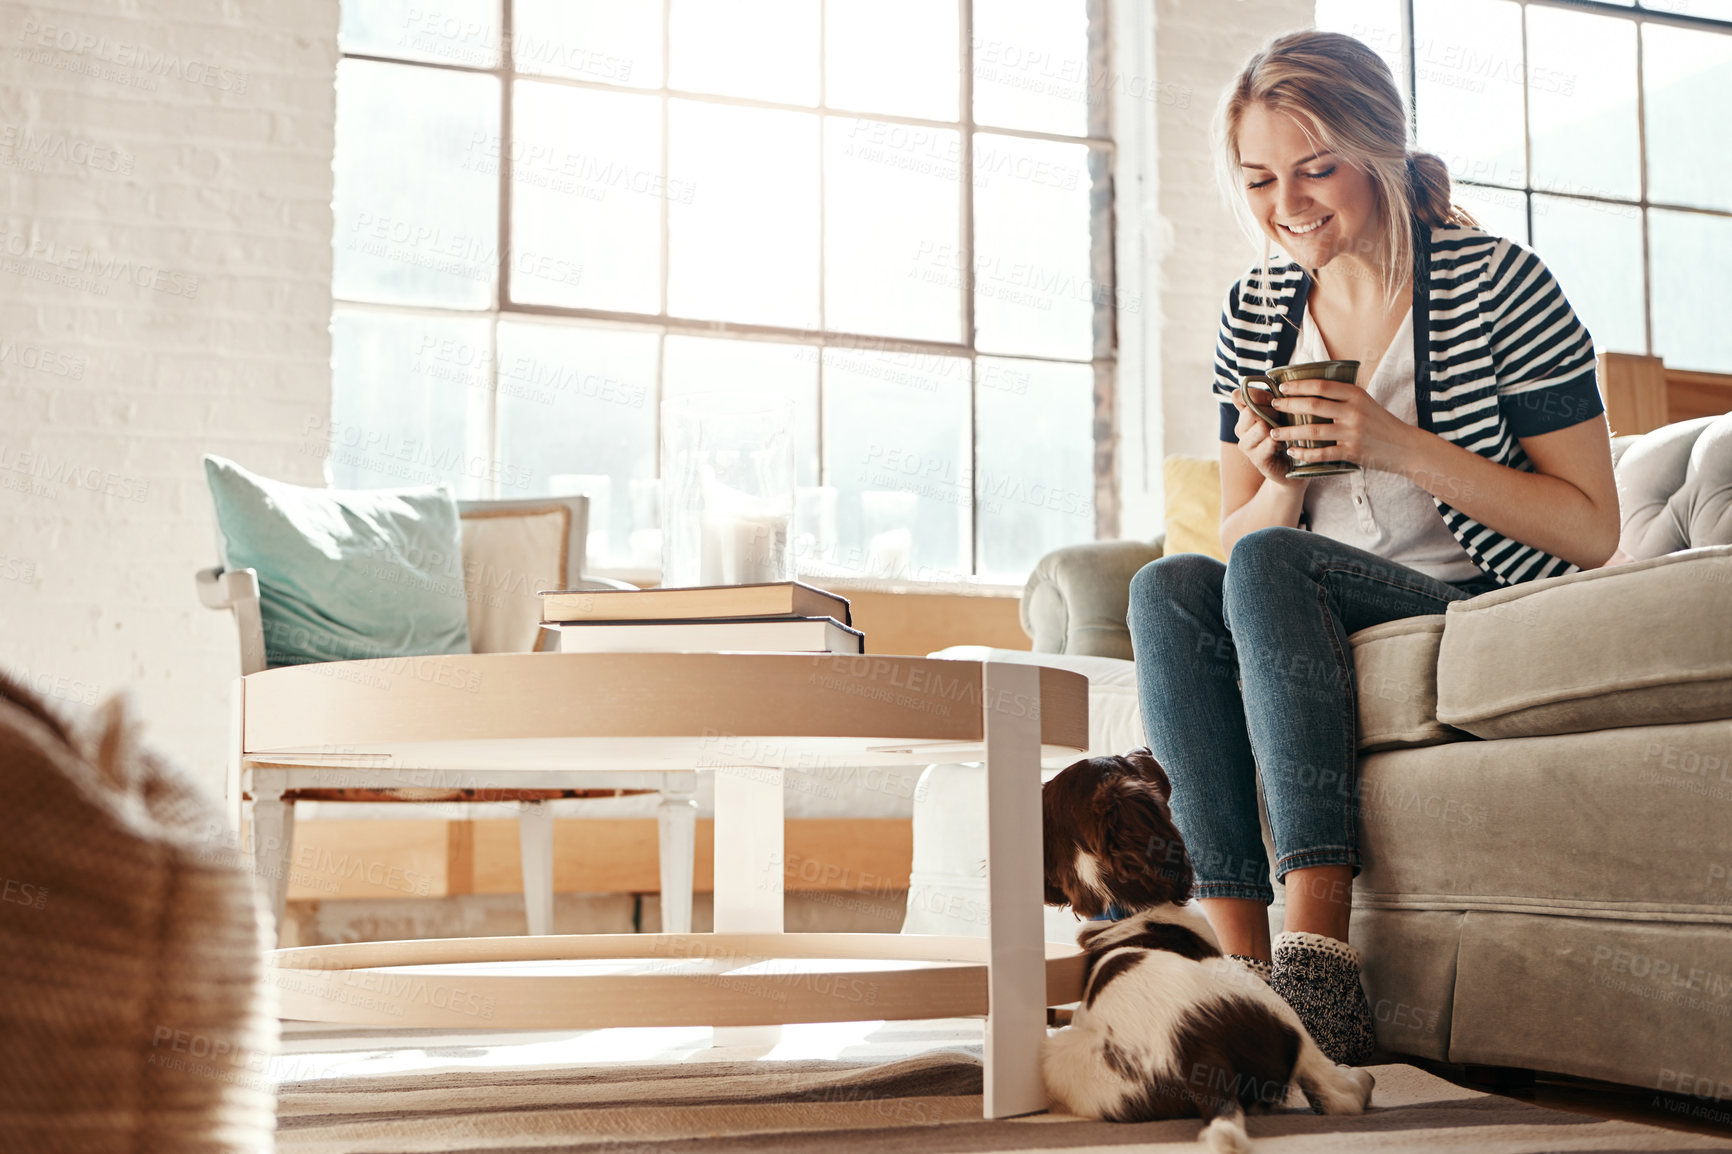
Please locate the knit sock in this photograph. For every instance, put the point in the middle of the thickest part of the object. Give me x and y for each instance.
(1319, 977)
(1256, 965)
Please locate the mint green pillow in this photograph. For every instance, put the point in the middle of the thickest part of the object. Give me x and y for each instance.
(345, 573)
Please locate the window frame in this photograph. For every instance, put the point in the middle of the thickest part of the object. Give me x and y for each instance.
(1638, 15)
(1103, 163)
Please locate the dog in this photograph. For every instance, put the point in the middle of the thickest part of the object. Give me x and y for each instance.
(1167, 1027)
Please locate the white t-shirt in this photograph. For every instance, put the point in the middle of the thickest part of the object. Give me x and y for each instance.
(1383, 513)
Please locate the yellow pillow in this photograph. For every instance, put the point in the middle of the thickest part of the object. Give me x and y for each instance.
(1193, 487)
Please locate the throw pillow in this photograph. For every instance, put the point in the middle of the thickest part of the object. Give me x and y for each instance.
(345, 573)
(1193, 486)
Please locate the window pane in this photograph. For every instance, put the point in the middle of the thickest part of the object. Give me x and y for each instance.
(1688, 76)
(586, 198)
(895, 56)
(1595, 250)
(1692, 294)
(1034, 290)
(1036, 454)
(1377, 23)
(606, 41)
(896, 448)
(763, 49)
(463, 32)
(417, 221)
(1582, 103)
(1031, 65)
(1500, 211)
(892, 208)
(1468, 55)
(745, 247)
(577, 414)
(409, 405)
(709, 365)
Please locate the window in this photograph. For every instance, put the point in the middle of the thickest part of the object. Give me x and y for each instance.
(1593, 131)
(553, 214)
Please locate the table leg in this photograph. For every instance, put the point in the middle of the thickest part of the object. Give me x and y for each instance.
(535, 851)
(1016, 949)
(748, 873)
(677, 820)
(232, 804)
(273, 839)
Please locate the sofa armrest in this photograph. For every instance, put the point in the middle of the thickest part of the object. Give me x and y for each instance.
(1076, 598)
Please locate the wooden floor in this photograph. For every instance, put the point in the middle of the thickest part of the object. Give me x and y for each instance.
(1597, 1099)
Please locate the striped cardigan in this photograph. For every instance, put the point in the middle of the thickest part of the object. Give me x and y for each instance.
(1498, 355)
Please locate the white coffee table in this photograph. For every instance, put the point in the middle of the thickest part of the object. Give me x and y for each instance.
(746, 718)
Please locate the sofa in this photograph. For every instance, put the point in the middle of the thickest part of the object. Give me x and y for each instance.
(1545, 789)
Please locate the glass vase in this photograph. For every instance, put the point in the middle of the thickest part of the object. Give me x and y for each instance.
(727, 489)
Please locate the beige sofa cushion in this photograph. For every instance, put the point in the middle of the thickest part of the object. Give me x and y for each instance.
(1624, 823)
(1396, 664)
(1648, 643)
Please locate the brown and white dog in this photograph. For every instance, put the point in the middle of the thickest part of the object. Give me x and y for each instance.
(1167, 1027)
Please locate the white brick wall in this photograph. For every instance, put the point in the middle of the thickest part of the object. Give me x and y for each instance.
(165, 270)
(1179, 248)
(1200, 47)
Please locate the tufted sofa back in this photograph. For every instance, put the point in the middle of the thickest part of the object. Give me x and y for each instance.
(1675, 487)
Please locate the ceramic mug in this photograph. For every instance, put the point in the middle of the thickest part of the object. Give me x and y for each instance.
(1345, 371)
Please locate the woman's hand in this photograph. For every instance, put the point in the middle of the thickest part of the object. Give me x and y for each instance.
(1364, 431)
(1262, 449)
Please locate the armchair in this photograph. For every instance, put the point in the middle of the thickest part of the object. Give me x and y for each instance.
(510, 548)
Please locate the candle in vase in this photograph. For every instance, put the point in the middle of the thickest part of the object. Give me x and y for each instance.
(744, 549)
(890, 554)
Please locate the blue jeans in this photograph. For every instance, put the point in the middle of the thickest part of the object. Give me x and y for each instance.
(1244, 671)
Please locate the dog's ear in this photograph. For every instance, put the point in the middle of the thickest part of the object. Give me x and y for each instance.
(1143, 858)
(1059, 837)
(1142, 759)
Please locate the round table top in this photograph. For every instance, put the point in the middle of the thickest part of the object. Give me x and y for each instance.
(652, 711)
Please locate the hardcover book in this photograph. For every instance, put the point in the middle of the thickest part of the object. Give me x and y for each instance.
(771, 635)
(778, 599)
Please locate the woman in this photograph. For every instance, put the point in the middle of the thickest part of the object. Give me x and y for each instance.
(1484, 460)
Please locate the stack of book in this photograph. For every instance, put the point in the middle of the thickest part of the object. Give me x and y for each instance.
(782, 617)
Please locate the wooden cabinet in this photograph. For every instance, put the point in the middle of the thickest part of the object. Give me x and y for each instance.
(1641, 393)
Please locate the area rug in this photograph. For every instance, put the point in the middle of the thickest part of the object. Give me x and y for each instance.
(927, 1104)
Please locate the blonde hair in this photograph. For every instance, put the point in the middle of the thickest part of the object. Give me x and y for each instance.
(1344, 96)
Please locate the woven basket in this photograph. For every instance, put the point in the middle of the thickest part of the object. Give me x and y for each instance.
(134, 1015)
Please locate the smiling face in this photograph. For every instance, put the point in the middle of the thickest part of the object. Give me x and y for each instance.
(1312, 204)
